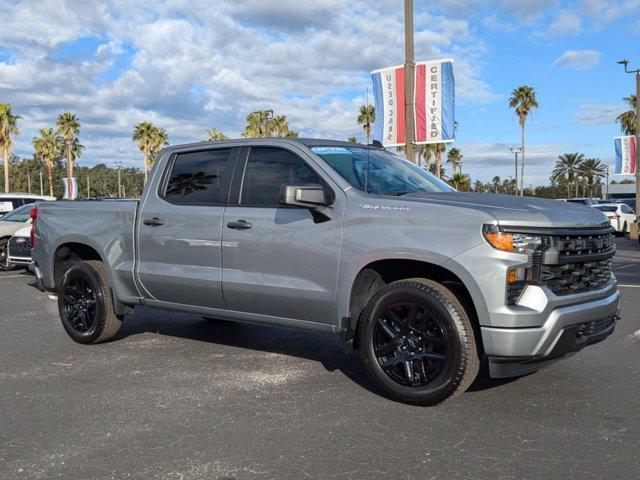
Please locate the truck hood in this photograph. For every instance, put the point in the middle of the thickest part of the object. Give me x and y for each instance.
(518, 211)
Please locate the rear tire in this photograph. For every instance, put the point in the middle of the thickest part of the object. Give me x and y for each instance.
(417, 342)
(4, 266)
(85, 303)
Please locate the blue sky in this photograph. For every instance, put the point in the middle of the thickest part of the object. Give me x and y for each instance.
(189, 65)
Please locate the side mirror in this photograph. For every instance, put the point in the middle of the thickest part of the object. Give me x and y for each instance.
(307, 196)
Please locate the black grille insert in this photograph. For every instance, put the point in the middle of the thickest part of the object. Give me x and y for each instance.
(19, 247)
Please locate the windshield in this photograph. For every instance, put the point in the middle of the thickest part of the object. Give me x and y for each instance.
(607, 209)
(378, 171)
(19, 215)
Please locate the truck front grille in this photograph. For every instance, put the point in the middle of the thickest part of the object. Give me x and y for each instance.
(19, 247)
(576, 277)
(577, 263)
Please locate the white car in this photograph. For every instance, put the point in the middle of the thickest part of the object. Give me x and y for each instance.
(619, 214)
(9, 225)
(19, 248)
(11, 201)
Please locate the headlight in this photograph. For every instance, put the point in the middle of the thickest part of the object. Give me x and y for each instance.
(512, 242)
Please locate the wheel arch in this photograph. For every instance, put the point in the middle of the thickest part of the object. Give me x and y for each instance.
(375, 274)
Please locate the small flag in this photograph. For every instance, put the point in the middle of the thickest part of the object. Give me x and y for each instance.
(625, 155)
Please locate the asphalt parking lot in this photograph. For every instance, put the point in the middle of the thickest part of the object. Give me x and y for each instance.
(178, 397)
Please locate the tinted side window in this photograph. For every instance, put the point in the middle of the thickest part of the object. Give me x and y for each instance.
(196, 178)
(267, 170)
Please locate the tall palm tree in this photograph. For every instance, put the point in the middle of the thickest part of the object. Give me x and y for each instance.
(567, 170)
(627, 119)
(366, 118)
(215, 135)
(523, 100)
(592, 170)
(8, 129)
(461, 181)
(454, 157)
(279, 126)
(438, 149)
(48, 147)
(437, 170)
(150, 140)
(258, 124)
(68, 127)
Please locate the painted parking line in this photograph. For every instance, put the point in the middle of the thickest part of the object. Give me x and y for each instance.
(629, 286)
(13, 276)
(621, 267)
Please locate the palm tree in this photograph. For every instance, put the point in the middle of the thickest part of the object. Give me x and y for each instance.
(592, 170)
(279, 126)
(627, 119)
(523, 100)
(150, 140)
(215, 135)
(352, 140)
(366, 118)
(567, 170)
(461, 181)
(68, 127)
(257, 124)
(454, 157)
(437, 170)
(438, 149)
(496, 182)
(48, 147)
(8, 129)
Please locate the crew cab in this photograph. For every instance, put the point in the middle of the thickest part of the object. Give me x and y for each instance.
(342, 239)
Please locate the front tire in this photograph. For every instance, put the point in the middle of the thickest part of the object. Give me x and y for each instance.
(85, 303)
(417, 342)
(5, 266)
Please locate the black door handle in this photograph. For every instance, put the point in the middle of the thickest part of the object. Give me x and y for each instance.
(153, 222)
(239, 225)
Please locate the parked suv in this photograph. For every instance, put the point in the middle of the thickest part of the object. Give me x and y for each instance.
(11, 201)
(344, 239)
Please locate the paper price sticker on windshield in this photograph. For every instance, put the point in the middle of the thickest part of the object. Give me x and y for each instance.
(330, 150)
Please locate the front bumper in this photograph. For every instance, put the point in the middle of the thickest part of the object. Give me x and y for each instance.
(567, 329)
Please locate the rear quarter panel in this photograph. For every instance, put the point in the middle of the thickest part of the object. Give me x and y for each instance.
(106, 226)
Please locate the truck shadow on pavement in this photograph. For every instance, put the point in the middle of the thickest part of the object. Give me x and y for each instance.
(327, 350)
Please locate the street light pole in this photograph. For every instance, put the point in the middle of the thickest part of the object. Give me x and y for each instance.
(119, 165)
(409, 66)
(515, 152)
(634, 231)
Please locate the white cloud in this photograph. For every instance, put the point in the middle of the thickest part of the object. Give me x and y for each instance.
(565, 23)
(187, 65)
(598, 114)
(578, 59)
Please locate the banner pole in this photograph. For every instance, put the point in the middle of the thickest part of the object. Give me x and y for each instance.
(637, 151)
(409, 67)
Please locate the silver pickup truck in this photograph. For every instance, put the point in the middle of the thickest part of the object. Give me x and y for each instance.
(345, 239)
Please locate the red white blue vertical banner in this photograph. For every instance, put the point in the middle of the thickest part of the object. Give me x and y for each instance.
(625, 155)
(434, 100)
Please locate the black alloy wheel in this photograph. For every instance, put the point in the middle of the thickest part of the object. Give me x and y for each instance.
(4, 256)
(409, 343)
(418, 343)
(80, 304)
(85, 303)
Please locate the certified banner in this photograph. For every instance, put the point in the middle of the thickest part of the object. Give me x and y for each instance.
(74, 189)
(625, 155)
(434, 97)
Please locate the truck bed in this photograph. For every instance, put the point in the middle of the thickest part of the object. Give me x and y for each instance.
(107, 226)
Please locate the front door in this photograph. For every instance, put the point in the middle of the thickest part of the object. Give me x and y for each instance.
(280, 261)
(180, 229)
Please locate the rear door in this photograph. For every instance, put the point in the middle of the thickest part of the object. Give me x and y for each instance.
(280, 261)
(180, 228)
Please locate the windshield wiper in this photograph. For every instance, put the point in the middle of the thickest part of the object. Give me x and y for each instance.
(394, 194)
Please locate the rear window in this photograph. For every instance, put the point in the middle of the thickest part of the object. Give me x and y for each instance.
(607, 209)
(196, 178)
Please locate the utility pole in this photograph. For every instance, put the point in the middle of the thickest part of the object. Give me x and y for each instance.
(119, 165)
(607, 194)
(29, 181)
(634, 230)
(516, 151)
(41, 184)
(88, 187)
(409, 67)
